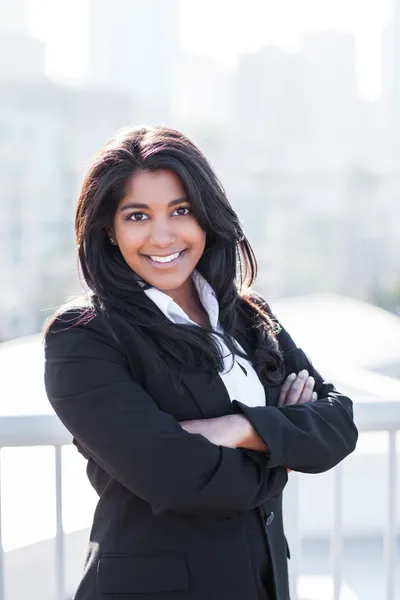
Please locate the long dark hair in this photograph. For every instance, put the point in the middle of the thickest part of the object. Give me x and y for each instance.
(228, 262)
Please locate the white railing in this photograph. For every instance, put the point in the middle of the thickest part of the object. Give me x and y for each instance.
(370, 416)
(42, 430)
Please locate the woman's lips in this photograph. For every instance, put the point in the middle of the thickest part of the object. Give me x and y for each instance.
(165, 265)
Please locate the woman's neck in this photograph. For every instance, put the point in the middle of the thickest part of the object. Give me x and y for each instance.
(187, 298)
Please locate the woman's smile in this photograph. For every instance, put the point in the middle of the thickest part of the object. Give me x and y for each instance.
(166, 261)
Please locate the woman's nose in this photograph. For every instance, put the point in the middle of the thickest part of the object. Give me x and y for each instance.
(162, 235)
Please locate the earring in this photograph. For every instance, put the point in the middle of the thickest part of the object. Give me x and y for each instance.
(114, 243)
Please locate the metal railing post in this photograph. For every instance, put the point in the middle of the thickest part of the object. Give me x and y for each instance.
(2, 592)
(60, 538)
(391, 524)
(337, 538)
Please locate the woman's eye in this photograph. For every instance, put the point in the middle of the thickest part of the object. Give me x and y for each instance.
(137, 216)
(183, 208)
(181, 211)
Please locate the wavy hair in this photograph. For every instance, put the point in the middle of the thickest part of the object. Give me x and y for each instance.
(228, 262)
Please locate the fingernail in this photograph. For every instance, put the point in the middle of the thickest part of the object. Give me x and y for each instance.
(292, 376)
(303, 373)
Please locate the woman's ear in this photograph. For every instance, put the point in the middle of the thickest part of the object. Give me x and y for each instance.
(111, 237)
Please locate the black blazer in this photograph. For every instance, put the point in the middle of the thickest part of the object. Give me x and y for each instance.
(178, 517)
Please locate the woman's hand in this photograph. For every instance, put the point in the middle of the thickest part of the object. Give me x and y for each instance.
(227, 430)
(297, 389)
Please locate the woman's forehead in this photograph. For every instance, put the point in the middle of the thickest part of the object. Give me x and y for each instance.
(157, 187)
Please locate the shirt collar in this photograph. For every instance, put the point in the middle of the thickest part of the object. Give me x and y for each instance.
(176, 314)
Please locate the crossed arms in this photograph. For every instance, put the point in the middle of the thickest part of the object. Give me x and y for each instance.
(120, 426)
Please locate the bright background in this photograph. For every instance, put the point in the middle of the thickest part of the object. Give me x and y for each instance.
(296, 104)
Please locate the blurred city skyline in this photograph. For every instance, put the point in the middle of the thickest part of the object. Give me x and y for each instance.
(310, 164)
(225, 29)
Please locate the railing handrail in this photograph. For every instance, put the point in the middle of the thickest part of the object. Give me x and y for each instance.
(377, 415)
(33, 430)
(370, 415)
(47, 430)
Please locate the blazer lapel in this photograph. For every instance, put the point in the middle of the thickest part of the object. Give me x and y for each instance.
(211, 397)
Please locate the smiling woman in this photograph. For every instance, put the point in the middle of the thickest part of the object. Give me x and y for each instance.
(157, 233)
(172, 377)
(150, 194)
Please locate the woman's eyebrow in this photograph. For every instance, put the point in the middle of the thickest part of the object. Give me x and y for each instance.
(141, 205)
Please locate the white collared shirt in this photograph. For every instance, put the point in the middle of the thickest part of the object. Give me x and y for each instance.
(244, 386)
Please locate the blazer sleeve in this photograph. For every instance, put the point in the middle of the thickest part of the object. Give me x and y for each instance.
(119, 425)
(311, 437)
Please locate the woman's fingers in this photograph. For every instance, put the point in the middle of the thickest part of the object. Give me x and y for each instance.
(307, 391)
(285, 388)
(295, 391)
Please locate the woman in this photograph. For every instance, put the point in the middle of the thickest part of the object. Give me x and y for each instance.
(173, 379)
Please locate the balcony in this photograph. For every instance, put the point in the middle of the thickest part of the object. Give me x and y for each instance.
(343, 526)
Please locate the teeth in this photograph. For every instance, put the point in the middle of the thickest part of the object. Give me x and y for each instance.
(165, 259)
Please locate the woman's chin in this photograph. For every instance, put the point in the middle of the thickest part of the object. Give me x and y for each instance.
(167, 283)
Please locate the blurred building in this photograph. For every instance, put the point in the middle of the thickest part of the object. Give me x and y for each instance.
(202, 98)
(391, 82)
(48, 134)
(334, 106)
(14, 16)
(270, 109)
(21, 56)
(35, 202)
(95, 114)
(134, 47)
(302, 111)
(33, 186)
(309, 178)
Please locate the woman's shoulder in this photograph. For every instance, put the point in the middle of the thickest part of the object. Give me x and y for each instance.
(254, 302)
(277, 329)
(79, 328)
(74, 321)
(259, 316)
(71, 313)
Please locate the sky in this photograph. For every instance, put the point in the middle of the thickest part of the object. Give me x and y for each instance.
(221, 29)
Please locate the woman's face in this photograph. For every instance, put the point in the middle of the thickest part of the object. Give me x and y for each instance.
(155, 230)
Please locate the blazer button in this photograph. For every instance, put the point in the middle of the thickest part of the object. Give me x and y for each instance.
(269, 519)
